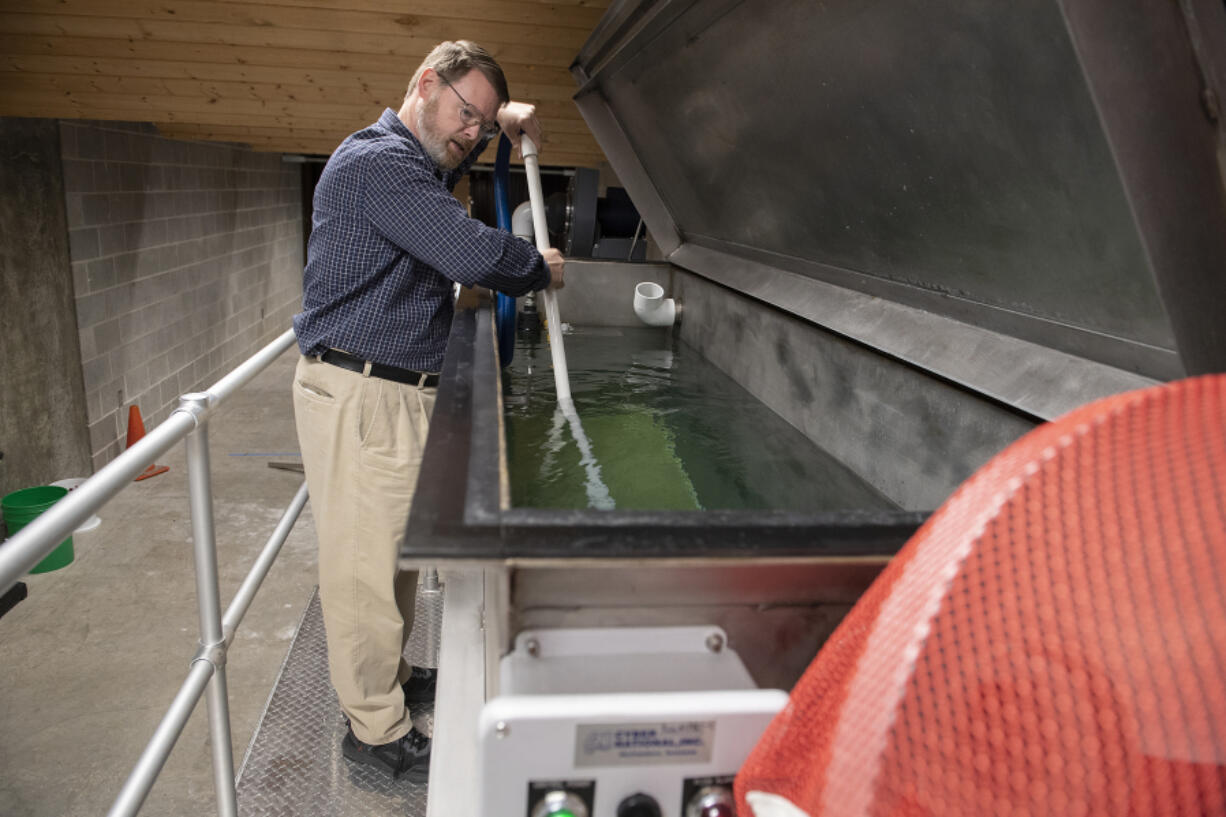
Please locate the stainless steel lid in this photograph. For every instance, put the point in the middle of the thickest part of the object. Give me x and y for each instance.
(1045, 170)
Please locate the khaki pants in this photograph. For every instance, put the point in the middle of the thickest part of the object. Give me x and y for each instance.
(362, 440)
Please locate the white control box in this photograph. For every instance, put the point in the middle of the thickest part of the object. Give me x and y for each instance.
(605, 714)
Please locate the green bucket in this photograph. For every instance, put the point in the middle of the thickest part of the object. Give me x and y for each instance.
(21, 507)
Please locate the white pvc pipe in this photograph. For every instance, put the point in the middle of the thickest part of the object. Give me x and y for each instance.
(651, 307)
(597, 491)
(532, 168)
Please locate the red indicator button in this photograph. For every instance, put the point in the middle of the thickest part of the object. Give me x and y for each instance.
(711, 801)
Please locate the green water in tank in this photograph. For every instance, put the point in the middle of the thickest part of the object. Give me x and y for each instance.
(669, 430)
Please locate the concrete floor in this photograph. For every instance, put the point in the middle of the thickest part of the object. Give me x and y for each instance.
(93, 658)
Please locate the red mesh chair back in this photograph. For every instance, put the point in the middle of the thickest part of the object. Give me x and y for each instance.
(1051, 642)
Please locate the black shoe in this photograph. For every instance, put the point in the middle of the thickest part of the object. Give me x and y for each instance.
(419, 689)
(409, 756)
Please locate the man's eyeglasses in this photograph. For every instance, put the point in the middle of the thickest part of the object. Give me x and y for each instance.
(470, 116)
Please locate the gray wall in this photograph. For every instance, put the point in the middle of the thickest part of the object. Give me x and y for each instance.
(186, 258)
(42, 402)
(911, 436)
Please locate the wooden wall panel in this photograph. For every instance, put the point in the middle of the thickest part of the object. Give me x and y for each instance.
(281, 75)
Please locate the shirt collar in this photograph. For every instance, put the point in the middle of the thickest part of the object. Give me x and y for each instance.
(392, 122)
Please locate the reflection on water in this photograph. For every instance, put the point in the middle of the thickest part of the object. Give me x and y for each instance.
(668, 430)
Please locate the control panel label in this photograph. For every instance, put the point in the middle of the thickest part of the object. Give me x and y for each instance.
(644, 744)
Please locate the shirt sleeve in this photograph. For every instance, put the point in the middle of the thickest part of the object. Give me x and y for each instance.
(412, 208)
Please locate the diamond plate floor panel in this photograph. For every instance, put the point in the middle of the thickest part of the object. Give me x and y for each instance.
(294, 765)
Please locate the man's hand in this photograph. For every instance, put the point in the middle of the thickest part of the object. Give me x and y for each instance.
(556, 266)
(516, 119)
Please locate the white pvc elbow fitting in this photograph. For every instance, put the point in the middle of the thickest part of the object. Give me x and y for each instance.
(521, 222)
(651, 307)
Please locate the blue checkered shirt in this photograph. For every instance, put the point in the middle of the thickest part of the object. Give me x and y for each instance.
(387, 241)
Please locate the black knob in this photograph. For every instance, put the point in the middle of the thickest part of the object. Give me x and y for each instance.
(638, 805)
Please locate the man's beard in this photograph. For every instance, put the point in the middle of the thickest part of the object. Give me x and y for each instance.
(434, 141)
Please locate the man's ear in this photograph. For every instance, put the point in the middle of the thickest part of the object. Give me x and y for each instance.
(426, 83)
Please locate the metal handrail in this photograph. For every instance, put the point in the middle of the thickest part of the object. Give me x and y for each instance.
(28, 546)
(207, 673)
(145, 773)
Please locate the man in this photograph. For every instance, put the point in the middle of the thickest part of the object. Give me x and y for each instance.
(387, 242)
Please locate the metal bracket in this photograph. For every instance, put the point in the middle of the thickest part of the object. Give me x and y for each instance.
(196, 404)
(215, 654)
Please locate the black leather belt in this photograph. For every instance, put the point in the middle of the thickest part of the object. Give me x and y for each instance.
(356, 364)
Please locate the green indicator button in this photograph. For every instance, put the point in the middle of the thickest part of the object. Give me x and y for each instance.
(560, 803)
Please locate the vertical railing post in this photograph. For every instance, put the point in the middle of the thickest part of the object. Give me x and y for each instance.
(212, 640)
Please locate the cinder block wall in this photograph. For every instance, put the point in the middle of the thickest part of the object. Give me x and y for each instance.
(186, 259)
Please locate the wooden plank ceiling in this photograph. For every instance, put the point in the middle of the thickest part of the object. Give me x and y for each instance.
(292, 76)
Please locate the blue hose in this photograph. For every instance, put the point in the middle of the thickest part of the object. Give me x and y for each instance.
(504, 312)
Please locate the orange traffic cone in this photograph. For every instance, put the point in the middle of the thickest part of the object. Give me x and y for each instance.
(136, 430)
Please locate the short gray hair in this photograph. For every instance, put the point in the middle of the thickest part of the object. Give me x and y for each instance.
(453, 60)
